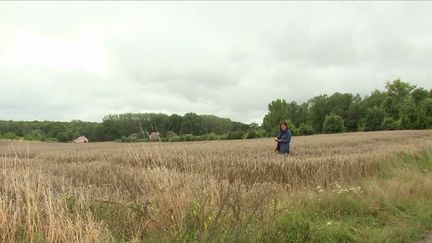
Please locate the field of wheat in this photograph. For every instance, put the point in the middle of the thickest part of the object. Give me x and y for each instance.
(102, 192)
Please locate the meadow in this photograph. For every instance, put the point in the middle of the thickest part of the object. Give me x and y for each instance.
(351, 187)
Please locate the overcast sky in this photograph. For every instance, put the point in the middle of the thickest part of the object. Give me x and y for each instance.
(83, 60)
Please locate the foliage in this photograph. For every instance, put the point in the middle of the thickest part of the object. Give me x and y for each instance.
(374, 118)
(128, 127)
(62, 137)
(235, 135)
(305, 129)
(408, 106)
(252, 134)
(333, 124)
(400, 101)
(277, 112)
(389, 124)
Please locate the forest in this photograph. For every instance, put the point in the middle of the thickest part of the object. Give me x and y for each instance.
(400, 106)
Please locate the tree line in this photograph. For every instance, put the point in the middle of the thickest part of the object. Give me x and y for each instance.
(131, 127)
(400, 106)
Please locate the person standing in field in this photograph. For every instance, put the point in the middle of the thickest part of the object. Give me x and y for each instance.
(283, 139)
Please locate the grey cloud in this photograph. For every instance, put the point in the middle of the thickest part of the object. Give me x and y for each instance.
(222, 58)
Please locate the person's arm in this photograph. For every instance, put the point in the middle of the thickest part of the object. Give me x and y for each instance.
(286, 137)
(277, 137)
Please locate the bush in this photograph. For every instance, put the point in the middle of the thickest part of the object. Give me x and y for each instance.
(305, 129)
(171, 134)
(203, 137)
(62, 137)
(28, 137)
(333, 124)
(9, 135)
(389, 124)
(223, 137)
(235, 135)
(212, 136)
(189, 137)
(175, 138)
(374, 118)
(262, 133)
(252, 134)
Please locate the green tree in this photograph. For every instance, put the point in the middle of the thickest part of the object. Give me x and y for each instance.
(374, 118)
(418, 95)
(62, 137)
(305, 129)
(354, 114)
(252, 134)
(235, 135)
(297, 113)
(408, 115)
(389, 124)
(191, 124)
(333, 124)
(174, 123)
(376, 98)
(277, 112)
(424, 114)
(317, 111)
(397, 93)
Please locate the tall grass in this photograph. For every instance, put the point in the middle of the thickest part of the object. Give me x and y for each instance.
(332, 188)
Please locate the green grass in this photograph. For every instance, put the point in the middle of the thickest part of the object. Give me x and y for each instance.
(394, 206)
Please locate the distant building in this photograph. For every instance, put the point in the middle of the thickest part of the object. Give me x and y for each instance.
(134, 135)
(81, 139)
(154, 136)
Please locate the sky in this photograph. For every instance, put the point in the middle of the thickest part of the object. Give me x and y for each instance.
(83, 60)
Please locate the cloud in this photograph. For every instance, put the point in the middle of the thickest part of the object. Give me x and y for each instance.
(64, 61)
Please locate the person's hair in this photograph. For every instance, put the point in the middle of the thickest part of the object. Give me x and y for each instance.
(283, 123)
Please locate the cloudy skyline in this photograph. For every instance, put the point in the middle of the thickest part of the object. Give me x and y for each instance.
(83, 60)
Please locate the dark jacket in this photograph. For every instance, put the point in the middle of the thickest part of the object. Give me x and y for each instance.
(283, 145)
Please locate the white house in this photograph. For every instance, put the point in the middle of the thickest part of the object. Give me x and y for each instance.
(81, 139)
(154, 136)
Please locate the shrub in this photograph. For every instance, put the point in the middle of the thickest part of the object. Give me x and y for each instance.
(374, 118)
(170, 134)
(252, 134)
(62, 137)
(333, 124)
(389, 124)
(223, 137)
(262, 133)
(175, 138)
(188, 137)
(305, 129)
(212, 136)
(9, 135)
(235, 135)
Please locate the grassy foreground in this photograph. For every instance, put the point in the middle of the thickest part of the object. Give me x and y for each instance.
(360, 187)
(394, 206)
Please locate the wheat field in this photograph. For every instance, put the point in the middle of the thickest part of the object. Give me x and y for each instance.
(109, 192)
